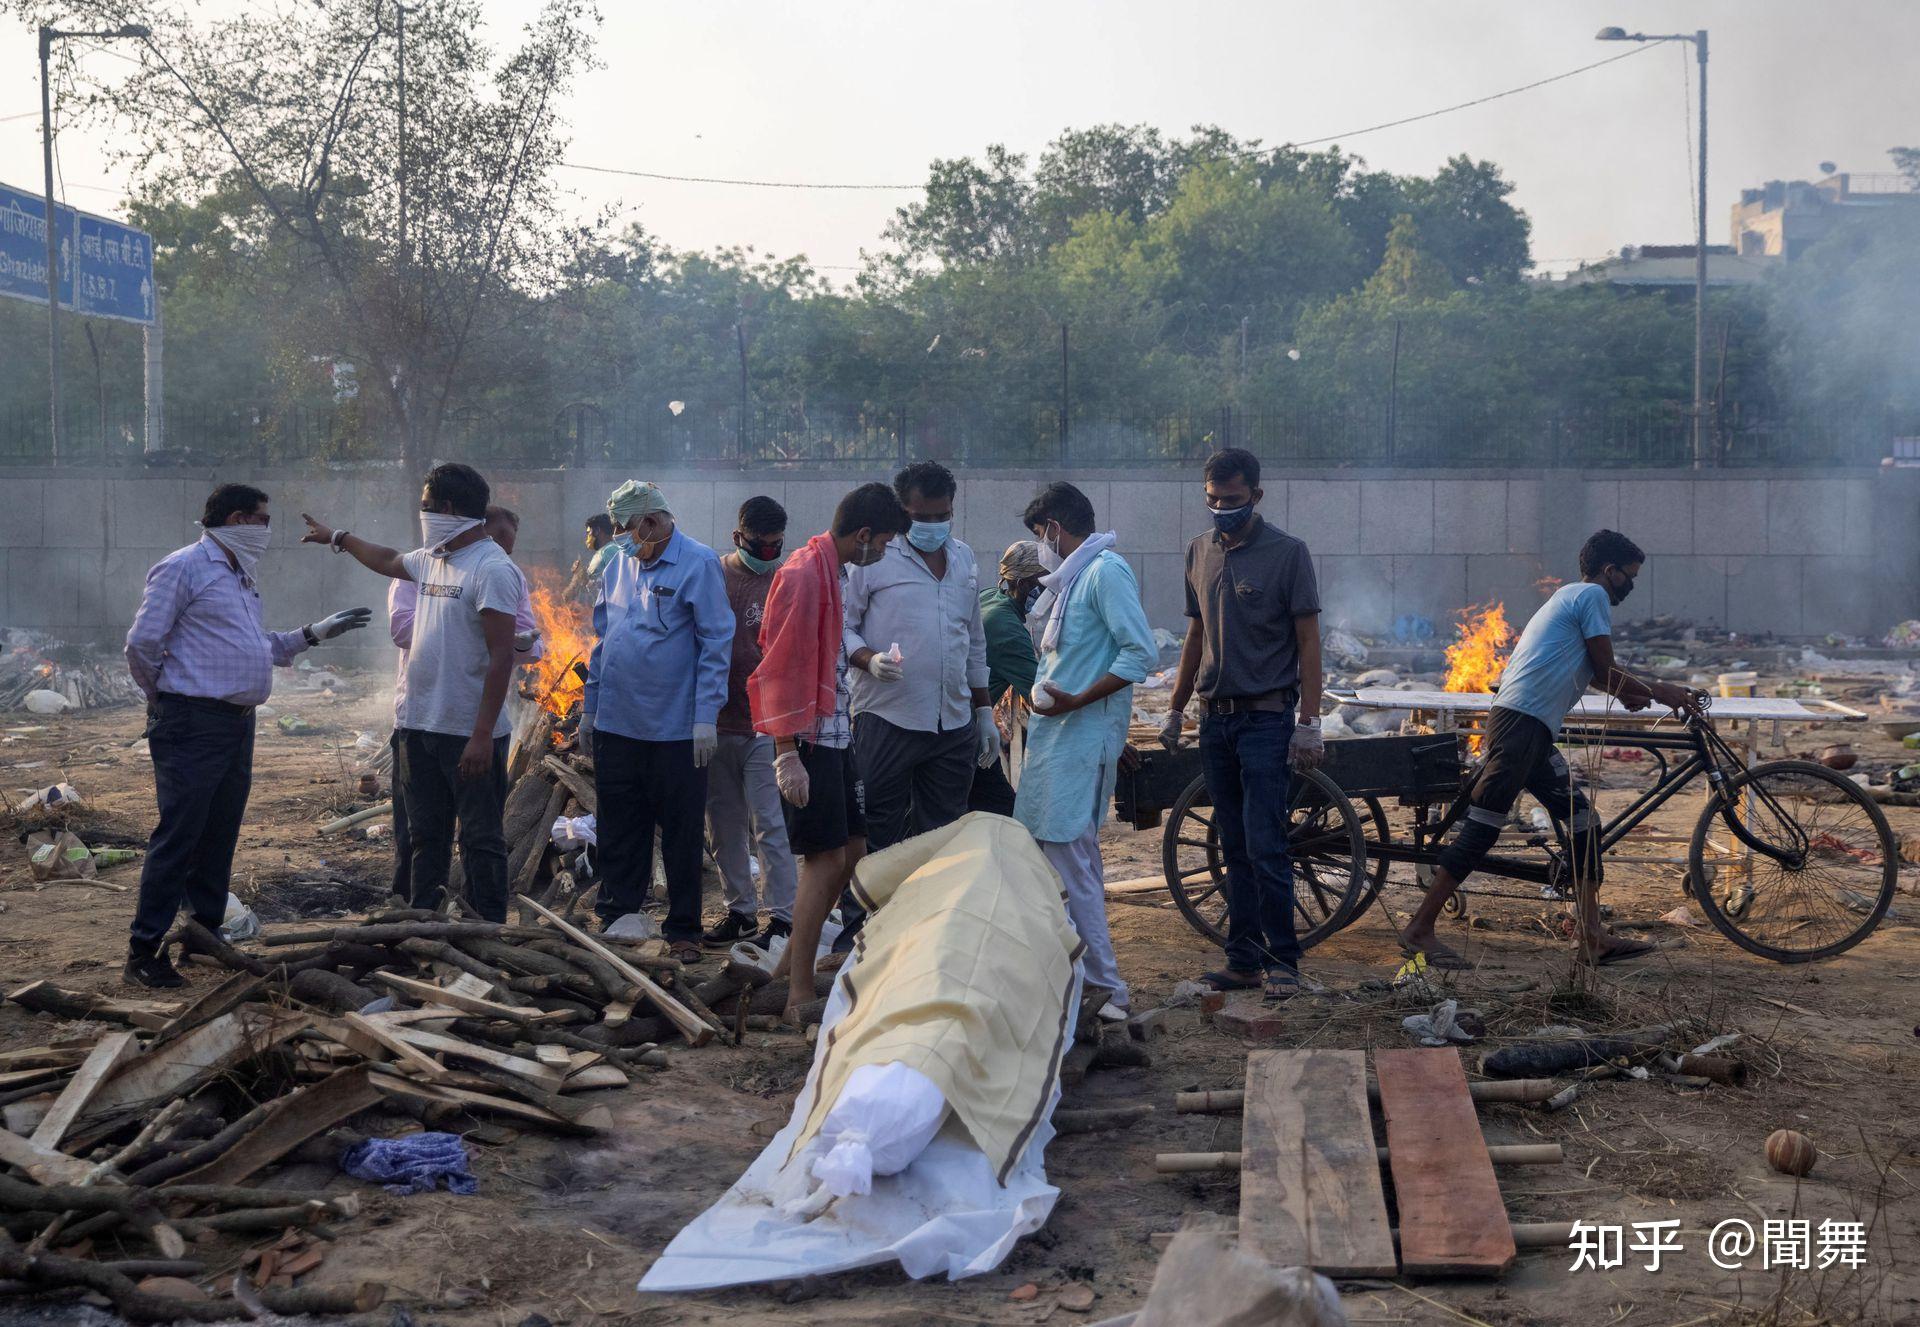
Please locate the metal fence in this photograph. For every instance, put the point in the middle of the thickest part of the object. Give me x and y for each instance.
(989, 434)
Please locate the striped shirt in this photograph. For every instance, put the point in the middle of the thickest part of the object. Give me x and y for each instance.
(199, 631)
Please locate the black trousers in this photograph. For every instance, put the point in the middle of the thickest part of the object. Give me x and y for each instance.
(641, 786)
(991, 790)
(402, 837)
(915, 781)
(437, 799)
(202, 772)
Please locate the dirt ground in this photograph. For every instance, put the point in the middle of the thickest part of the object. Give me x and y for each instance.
(564, 1228)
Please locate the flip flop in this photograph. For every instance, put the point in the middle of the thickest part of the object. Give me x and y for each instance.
(1227, 981)
(1628, 951)
(1278, 986)
(1439, 957)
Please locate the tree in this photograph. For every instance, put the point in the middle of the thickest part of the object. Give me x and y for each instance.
(299, 105)
(1407, 271)
(972, 213)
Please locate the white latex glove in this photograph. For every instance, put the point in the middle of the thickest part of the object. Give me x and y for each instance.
(583, 734)
(348, 619)
(986, 736)
(523, 641)
(884, 667)
(1170, 729)
(1308, 748)
(705, 738)
(790, 776)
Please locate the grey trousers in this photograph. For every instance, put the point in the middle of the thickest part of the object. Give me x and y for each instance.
(741, 792)
(1083, 874)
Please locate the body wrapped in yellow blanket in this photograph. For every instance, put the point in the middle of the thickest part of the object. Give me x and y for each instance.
(962, 972)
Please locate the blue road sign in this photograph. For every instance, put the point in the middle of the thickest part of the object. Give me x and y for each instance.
(106, 269)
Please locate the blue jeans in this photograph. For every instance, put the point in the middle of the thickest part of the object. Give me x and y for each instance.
(1245, 760)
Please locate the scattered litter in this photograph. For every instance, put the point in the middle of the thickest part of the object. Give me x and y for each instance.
(578, 832)
(377, 831)
(59, 855)
(1165, 640)
(1412, 629)
(633, 926)
(366, 742)
(1719, 1043)
(55, 797)
(1680, 916)
(47, 702)
(1446, 1022)
(1377, 677)
(240, 922)
(1342, 646)
(295, 726)
(415, 1163)
(1903, 636)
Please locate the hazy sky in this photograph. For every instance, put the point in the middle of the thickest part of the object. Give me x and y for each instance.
(862, 91)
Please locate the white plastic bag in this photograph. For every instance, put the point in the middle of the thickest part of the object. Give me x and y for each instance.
(44, 701)
(240, 922)
(633, 926)
(885, 1117)
(580, 831)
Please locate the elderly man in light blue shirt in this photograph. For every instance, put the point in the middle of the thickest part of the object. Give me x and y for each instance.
(656, 680)
(922, 722)
(1094, 644)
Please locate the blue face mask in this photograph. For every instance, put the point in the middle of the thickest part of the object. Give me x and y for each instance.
(1232, 519)
(929, 536)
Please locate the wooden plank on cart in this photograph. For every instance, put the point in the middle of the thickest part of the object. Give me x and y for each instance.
(1452, 1218)
(1309, 1182)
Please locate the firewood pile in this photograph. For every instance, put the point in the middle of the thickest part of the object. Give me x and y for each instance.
(129, 1159)
(46, 666)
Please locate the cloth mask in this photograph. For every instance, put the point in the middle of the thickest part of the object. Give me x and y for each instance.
(929, 536)
(1232, 519)
(1618, 596)
(245, 542)
(759, 566)
(437, 530)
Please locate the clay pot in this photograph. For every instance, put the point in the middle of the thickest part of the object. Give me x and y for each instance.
(369, 785)
(1839, 756)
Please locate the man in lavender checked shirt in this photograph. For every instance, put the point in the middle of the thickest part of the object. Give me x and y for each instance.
(200, 653)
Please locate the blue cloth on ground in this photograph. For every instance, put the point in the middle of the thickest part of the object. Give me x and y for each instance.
(414, 1163)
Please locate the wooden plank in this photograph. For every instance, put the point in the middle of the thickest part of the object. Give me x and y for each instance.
(184, 1064)
(45, 1073)
(43, 1165)
(594, 1077)
(107, 1056)
(575, 782)
(289, 1122)
(1310, 1191)
(42, 1057)
(239, 989)
(394, 1086)
(695, 1029)
(395, 1042)
(1452, 1218)
(46, 998)
(546, 1076)
(557, 1056)
(452, 999)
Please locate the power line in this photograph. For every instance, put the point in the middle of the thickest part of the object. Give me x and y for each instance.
(1250, 155)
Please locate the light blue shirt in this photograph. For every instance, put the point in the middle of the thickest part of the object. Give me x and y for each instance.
(1067, 780)
(1549, 668)
(665, 643)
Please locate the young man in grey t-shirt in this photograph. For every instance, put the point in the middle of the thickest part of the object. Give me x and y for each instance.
(452, 758)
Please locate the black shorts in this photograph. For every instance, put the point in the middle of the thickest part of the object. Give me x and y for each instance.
(1521, 756)
(836, 802)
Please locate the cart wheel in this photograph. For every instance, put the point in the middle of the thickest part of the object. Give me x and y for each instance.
(1329, 859)
(1374, 818)
(1837, 878)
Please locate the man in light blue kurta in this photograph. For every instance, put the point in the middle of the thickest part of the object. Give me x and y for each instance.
(1094, 643)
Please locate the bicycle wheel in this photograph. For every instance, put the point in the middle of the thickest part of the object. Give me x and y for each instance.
(1328, 849)
(1836, 879)
(1373, 820)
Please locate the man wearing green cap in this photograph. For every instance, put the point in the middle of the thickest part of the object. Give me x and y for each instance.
(656, 681)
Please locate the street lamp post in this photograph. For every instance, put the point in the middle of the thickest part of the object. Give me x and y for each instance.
(48, 36)
(1699, 40)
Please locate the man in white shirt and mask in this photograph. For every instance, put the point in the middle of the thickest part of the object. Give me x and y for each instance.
(452, 757)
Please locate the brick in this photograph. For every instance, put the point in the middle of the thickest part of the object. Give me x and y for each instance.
(1250, 1020)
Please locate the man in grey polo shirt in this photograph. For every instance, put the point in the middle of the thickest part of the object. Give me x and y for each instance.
(1252, 653)
(922, 721)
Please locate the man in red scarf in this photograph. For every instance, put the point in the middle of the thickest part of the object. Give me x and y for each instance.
(799, 697)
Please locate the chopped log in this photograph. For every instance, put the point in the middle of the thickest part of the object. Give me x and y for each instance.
(107, 1056)
(385, 933)
(376, 1041)
(528, 960)
(612, 985)
(42, 1164)
(440, 951)
(528, 849)
(330, 991)
(49, 1271)
(695, 1029)
(157, 1172)
(1121, 1052)
(544, 1075)
(577, 783)
(43, 997)
(393, 1086)
(42, 1057)
(356, 818)
(594, 1077)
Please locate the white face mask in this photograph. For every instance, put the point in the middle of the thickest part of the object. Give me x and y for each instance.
(245, 542)
(1050, 554)
(437, 531)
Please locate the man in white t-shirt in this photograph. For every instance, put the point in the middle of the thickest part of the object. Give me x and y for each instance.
(452, 755)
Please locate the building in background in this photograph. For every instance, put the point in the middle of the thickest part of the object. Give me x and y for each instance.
(1782, 217)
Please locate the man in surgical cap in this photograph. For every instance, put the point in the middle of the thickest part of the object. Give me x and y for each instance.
(656, 680)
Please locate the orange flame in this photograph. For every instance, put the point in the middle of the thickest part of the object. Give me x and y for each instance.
(1476, 660)
(1547, 584)
(566, 632)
